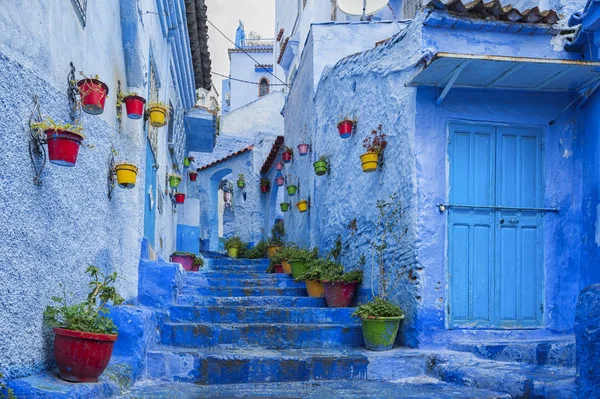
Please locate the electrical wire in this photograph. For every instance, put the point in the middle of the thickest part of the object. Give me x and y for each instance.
(244, 51)
(244, 81)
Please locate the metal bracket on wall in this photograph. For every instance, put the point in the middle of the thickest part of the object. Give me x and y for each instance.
(119, 106)
(73, 95)
(37, 151)
(111, 172)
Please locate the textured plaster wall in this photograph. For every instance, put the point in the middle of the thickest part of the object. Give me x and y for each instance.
(262, 115)
(51, 233)
(243, 67)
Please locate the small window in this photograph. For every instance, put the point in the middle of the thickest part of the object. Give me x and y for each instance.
(263, 87)
(80, 8)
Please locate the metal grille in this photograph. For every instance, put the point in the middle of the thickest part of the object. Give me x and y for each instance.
(153, 131)
(80, 8)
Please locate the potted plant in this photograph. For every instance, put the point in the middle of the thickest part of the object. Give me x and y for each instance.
(279, 166)
(321, 166)
(298, 258)
(179, 198)
(5, 391)
(187, 161)
(258, 251)
(302, 205)
(375, 143)
(276, 240)
(241, 183)
(158, 112)
(174, 180)
(93, 94)
(280, 180)
(193, 176)
(340, 286)
(278, 269)
(284, 206)
(233, 245)
(291, 190)
(281, 256)
(312, 276)
(345, 126)
(288, 154)
(63, 141)
(188, 260)
(126, 174)
(83, 335)
(134, 105)
(380, 321)
(264, 185)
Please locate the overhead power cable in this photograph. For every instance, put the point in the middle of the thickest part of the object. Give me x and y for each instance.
(244, 81)
(244, 51)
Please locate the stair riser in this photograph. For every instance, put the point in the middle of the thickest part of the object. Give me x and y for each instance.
(204, 273)
(237, 292)
(237, 282)
(237, 262)
(261, 315)
(550, 354)
(256, 301)
(272, 337)
(238, 268)
(214, 370)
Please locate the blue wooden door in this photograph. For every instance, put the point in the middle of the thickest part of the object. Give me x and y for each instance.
(495, 253)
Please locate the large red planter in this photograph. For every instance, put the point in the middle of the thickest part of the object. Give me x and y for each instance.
(345, 128)
(93, 95)
(279, 269)
(82, 356)
(134, 106)
(186, 261)
(180, 198)
(264, 189)
(279, 166)
(63, 146)
(287, 157)
(338, 294)
(280, 180)
(193, 176)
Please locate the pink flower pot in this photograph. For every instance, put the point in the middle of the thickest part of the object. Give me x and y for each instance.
(279, 166)
(302, 149)
(280, 181)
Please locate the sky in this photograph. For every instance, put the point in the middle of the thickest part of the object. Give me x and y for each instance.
(257, 15)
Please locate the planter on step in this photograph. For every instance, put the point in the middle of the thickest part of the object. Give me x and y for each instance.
(93, 95)
(135, 106)
(232, 252)
(174, 181)
(302, 206)
(271, 249)
(126, 175)
(287, 268)
(279, 166)
(320, 167)
(369, 161)
(285, 206)
(303, 149)
(315, 288)
(298, 268)
(193, 176)
(345, 128)
(339, 294)
(380, 332)
(63, 146)
(187, 261)
(82, 356)
(179, 198)
(291, 190)
(278, 269)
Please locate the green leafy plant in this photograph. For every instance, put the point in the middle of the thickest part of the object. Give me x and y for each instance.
(316, 268)
(264, 182)
(49, 124)
(241, 177)
(175, 175)
(90, 315)
(378, 307)
(235, 242)
(323, 158)
(277, 234)
(376, 141)
(5, 392)
(256, 252)
(198, 261)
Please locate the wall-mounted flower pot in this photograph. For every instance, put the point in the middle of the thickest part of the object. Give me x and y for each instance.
(315, 288)
(82, 356)
(303, 149)
(280, 180)
(369, 161)
(158, 116)
(286, 157)
(320, 167)
(93, 95)
(174, 182)
(345, 128)
(180, 198)
(302, 206)
(287, 268)
(126, 175)
(339, 294)
(284, 206)
(271, 249)
(63, 146)
(291, 190)
(193, 176)
(241, 183)
(187, 261)
(298, 268)
(380, 332)
(278, 269)
(264, 189)
(187, 162)
(232, 252)
(279, 166)
(134, 106)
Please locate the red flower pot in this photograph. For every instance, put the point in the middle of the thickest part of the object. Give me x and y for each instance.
(279, 166)
(193, 176)
(63, 146)
(93, 95)
(179, 198)
(135, 106)
(287, 157)
(82, 356)
(278, 269)
(264, 189)
(338, 294)
(186, 261)
(345, 128)
(280, 180)
(302, 149)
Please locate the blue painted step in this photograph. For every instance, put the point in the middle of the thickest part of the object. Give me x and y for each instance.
(243, 282)
(255, 268)
(263, 301)
(205, 273)
(244, 291)
(273, 336)
(223, 366)
(242, 314)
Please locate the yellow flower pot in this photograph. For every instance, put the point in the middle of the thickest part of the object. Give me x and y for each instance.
(271, 249)
(232, 252)
(315, 288)
(126, 175)
(302, 206)
(369, 161)
(287, 268)
(158, 116)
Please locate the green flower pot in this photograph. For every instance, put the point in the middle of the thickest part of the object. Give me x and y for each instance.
(298, 268)
(291, 190)
(174, 181)
(284, 206)
(320, 167)
(187, 162)
(380, 332)
(241, 183)
(232, 252)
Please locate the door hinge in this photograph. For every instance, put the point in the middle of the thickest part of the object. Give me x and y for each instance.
(542, 145)
(542, 308)
(448, 308)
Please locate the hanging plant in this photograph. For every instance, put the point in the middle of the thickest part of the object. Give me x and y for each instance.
(134, 105)
(288, 154)
(285, 206)
(193, 176)
(126, 174)
(93, 94)
(279, 166)
(265, 184)
(174, 180)
(280, 180)
(302, 205)
(303, 148)
(241, 183)
(375, 144)
(63, 141)
(345, 126)
(291, 190)
(321, 166)
(179, 198)
(158, 112)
